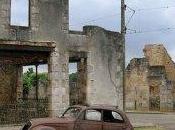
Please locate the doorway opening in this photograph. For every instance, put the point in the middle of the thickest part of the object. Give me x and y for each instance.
(73, 76)
(77, 78)
(154, 99)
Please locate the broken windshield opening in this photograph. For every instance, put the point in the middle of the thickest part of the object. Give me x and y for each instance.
(72, 112)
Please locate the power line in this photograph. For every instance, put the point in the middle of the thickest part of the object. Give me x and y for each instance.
(157, 8)
(151, 31)
(130, 8)
(107, 16)
(97, 19)
(133, 12)
(132, 31)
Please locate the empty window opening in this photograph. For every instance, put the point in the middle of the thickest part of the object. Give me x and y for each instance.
(112, 117)
(35, 81)
(19, 70)
(154, 98)
(72, 68)
(73, 77)
(19, 13)
(93, 115)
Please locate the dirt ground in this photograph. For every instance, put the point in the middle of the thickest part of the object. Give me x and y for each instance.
(167, 120)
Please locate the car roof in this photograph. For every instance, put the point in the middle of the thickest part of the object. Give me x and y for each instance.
(102, 107)
(96, 106)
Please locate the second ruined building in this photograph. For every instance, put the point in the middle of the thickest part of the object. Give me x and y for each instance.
(150, 81)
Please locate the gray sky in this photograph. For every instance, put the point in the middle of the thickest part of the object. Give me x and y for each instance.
(103, 12)
(19, 12)
(106, 13)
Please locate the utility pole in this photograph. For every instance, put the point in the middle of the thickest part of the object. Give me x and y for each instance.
(123, 32)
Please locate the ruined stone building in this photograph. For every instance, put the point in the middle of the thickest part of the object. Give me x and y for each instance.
(48, 40)
(150, 81)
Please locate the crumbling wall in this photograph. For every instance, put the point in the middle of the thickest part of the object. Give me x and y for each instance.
(157, 80)
(160, 78)
(137, 90)
(105, 61)
(158, 56)
(104, 64)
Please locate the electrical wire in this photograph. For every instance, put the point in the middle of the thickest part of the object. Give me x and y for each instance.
(133, 12)
(157, 8)
(133, 31)
(151, 31)
(95, 20)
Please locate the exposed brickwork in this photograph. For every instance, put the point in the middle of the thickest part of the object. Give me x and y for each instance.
(5, 20)
(8, 84)
(151, 81)
(21, 111)
(137, 91)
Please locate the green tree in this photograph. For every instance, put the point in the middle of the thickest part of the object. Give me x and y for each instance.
(29, 80)
(43, 79)
(73, 77)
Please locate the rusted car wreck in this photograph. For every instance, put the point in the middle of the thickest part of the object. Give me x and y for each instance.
(96, 117)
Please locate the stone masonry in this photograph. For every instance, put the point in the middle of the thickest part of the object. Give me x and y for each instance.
(150, 81)
(48, 37)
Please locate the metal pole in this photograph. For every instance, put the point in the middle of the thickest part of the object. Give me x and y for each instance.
(36, 81)
(123, 32)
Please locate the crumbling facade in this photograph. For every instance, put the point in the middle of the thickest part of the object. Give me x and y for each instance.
(150, 81)
(47, 39)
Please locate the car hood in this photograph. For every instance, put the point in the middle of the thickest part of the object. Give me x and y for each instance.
(41, 121)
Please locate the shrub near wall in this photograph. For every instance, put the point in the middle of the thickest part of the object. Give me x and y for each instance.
(23, 110)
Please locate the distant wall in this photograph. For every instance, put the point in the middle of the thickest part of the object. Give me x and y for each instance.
(150, 81)
(137, 90)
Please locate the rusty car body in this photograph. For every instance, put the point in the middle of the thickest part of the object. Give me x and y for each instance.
(97, 117)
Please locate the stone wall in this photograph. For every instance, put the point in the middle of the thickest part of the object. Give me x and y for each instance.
(82, 81)
(137, 90)
(104, 67)
(8, 84)
(22, 111)
(158, 56)
(157, 77)
(4, 19)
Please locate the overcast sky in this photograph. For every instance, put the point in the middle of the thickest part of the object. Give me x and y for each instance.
(106, 13)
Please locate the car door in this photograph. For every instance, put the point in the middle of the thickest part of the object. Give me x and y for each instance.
(91, 120)
(113, 120)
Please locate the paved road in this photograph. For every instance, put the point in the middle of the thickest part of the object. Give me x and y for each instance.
(10, 128)
(165, 120)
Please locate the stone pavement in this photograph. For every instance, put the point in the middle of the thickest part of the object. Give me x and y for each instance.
(165, 120)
